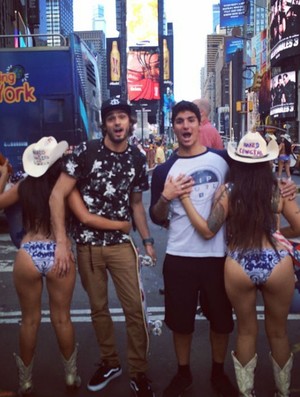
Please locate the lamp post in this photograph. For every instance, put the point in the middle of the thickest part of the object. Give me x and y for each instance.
(245, 37)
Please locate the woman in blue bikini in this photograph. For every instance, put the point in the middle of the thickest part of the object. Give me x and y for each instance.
(251, 203)
(35, 259)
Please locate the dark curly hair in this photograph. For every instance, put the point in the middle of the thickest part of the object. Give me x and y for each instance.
(183, 106)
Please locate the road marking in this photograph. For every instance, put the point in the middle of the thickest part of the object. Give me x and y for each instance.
(80, 315)
(7, 250)
(6, 266)
(83, 315)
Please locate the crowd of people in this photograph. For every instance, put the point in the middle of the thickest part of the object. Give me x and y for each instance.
(91, 197)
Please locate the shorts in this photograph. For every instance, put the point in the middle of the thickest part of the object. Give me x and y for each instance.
(284, 157)
(189, 282)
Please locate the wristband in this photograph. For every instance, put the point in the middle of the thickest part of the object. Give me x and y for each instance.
(149, 241)
(164, 198)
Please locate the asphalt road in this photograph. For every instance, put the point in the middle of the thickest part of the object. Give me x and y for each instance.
(48, 369)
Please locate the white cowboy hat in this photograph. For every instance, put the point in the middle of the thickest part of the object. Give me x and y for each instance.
(287, 137)
(252, 148)
(270, 136)
(38, 157)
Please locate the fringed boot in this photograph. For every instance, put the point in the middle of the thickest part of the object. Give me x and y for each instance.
(245, 376)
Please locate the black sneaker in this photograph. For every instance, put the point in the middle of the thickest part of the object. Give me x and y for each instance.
(141, 386)
(178, 386)
(223, 386)
(103, 376)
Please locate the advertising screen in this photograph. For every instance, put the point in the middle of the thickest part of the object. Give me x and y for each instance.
(143, 74)
(113, 57)
(168, 59)
(284, 29)
(33, 13)
(283, 94)
(232, 44)
(232, 13)
(259, 51)
(142, 23)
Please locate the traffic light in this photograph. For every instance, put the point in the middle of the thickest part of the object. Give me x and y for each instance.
(257, 81)
(238, 106)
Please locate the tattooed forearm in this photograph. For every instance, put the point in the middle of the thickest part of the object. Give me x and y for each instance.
(216, 218)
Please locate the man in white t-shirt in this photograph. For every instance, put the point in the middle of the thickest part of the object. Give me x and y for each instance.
(192, 264)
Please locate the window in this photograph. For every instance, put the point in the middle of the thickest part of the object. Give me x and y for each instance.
(53, 110)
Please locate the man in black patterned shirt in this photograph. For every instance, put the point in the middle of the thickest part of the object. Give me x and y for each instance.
(111, 176)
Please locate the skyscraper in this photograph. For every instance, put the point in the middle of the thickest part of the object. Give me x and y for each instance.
(96, 41)
(216, 17)
(99, 22)
(56, 17)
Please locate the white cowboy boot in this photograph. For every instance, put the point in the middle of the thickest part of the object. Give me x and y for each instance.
(282, 377)
(71, 377)
(25, 376)
(245, 376)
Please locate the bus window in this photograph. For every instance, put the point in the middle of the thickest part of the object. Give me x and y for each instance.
(53, 110)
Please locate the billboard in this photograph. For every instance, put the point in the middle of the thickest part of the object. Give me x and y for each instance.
(142, 23)
(33, 12)
(143, 71)
(264, 100)
(168, 59)
(113, 57)
(232, 13)
(283, 95)
(259, 51)
(232, 44)
(284, 29)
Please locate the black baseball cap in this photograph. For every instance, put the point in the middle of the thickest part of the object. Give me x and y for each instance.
(114, 103)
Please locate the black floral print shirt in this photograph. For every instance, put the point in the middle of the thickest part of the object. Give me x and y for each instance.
(105, 180)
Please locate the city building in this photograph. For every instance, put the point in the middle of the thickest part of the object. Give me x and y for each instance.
(56, 18)
(214, 43)
(99, 22)
(146, 53)
(12, 17)
(96, 41)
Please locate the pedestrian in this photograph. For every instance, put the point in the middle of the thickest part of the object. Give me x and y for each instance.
(110, 175)
(256, 260)
(159, 153)
(285, 151)
(13, 213)
(268, 137)
(192, 264)
(5, 172)
(209, 136)
(169, 151)
(34, 262)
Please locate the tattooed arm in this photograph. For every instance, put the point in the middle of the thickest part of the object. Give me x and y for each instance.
(208, 228)
(291, 212)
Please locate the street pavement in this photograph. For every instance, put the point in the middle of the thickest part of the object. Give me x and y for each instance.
(48, 369)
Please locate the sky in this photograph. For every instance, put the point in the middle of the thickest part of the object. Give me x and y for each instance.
(191, 24)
